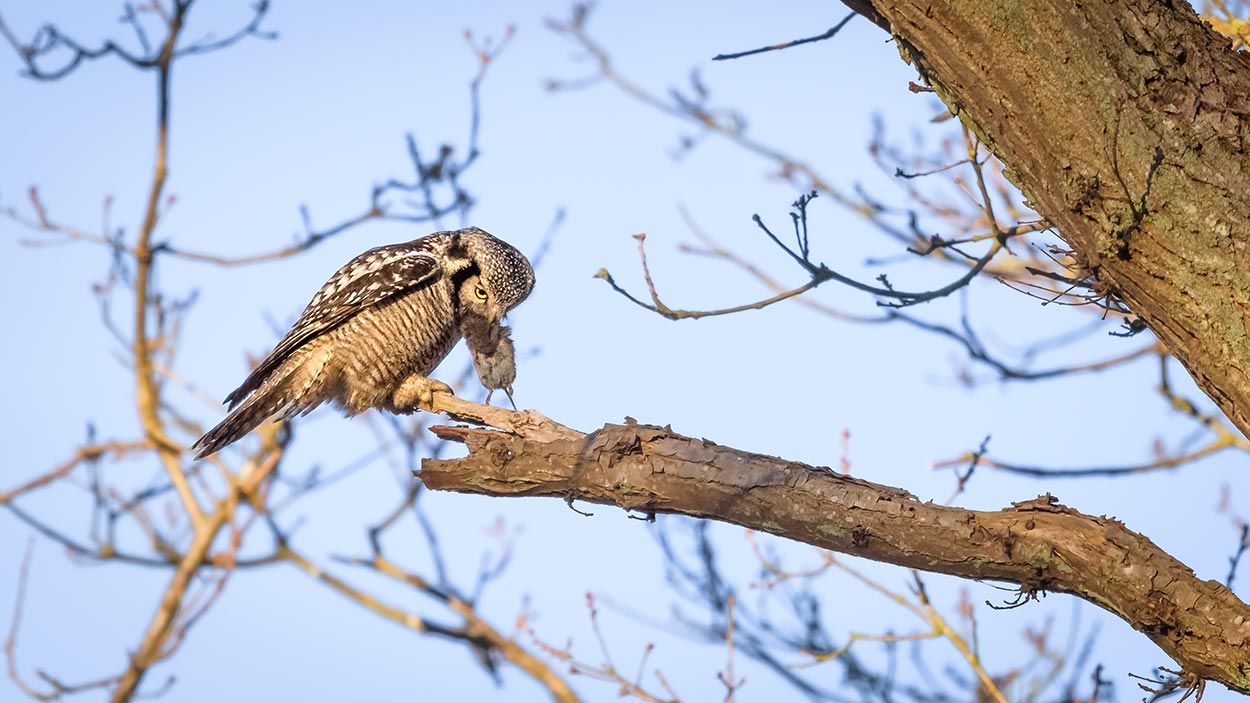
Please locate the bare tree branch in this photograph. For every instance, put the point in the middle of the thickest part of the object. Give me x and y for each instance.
(49, 40)
(827, 34)
(1038, 544)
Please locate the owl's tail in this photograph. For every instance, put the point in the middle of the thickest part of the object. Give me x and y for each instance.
(239, 422)
(296, 387)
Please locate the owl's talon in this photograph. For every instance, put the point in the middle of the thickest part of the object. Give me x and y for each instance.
(417, 393)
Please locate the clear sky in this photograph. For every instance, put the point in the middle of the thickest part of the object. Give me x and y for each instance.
(317, 117)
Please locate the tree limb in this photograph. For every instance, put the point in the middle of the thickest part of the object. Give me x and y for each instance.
(1038, 544)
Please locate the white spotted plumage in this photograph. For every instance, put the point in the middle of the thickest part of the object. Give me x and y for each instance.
(372, 334)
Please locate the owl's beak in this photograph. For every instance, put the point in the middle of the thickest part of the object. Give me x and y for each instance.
(491, 318)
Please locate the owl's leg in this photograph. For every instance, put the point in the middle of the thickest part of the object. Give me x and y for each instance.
(416, 393)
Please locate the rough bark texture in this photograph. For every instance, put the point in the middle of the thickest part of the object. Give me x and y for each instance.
(1077, 99)
(1040, 545)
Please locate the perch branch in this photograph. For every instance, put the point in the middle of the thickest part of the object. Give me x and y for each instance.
(1039, 544)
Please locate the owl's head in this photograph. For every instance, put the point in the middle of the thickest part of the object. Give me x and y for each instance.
(503, 276)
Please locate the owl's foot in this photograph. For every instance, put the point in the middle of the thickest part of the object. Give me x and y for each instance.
(417, 393)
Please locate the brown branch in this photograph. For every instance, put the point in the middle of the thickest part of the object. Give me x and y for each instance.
(147, 391)
(673, 314)
(89, 452)
(152, 647)
(922, 608)
(1039, 544)
(475, 631)
(726, 677)
(411, 621)
(606, 671)
(479, 628)
(10, 643)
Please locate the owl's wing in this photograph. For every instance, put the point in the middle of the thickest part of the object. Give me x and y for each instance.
(366, 280)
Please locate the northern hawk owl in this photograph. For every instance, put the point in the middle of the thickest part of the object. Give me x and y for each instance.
(376, 330)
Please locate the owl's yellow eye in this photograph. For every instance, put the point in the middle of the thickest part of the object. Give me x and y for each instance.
(481, 293)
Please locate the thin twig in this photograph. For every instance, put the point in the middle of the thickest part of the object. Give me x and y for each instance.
(827, 34)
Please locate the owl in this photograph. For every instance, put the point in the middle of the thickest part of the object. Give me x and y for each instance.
(376, 330)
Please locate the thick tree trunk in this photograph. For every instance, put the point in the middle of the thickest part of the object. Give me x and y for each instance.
(1040, 545)
(1126, 123)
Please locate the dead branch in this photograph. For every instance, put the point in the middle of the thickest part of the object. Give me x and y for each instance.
(1039, 545)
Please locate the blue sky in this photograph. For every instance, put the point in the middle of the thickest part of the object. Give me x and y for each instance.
(320, 115)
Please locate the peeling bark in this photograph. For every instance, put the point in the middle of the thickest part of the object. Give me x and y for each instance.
(1127, 125)
(1039, 545)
